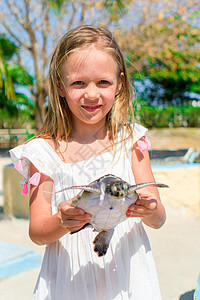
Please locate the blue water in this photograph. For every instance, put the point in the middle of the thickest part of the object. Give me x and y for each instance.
(16, 259)
(174, 166)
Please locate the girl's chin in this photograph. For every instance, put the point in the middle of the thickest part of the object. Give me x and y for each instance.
(90, 120)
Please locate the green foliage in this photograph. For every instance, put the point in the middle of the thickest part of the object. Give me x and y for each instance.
(7, 51)
(19, 75)
(116, 8)
(18, 120)
(171, 116)
(183, 76)
(57, 6)
(7, 48)
(168, 54)
(15, 107)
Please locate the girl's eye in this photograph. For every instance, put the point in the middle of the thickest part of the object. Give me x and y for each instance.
(78, 82)
(104, 82)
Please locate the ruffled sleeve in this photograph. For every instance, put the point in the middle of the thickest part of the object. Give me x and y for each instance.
(33, 152)
(140, 138)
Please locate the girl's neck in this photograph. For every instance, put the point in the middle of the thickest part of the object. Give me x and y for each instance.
(83, 144)
(88, 134)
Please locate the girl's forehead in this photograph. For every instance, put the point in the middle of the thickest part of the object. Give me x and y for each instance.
(88, 49)
(88, 56)
(89, 52)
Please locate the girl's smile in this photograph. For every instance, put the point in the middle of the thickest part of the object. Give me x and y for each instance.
(89, 84)
(91, 108)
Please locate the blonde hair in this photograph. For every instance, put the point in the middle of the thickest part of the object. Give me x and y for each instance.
(58, 123)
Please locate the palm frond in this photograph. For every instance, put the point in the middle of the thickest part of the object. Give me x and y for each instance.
(19, 75)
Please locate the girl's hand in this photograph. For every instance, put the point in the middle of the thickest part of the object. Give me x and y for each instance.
(146, 206)
(72, 218)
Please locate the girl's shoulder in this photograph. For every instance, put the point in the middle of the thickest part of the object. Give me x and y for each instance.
(133, 137)
(33, 148)
(138, 132)
(36, 151)
(133, 133)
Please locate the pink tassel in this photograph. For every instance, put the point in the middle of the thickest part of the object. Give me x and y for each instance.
(144, 144)
(147, 141)
(35, 179)
(25, 188)
(18, 165)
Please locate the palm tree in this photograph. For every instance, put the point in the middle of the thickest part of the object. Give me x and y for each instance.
(12, 76)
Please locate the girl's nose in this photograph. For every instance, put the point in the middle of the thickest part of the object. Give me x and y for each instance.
(91, 93)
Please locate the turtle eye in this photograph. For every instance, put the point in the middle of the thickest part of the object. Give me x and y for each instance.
(125, 187)
(116, 193)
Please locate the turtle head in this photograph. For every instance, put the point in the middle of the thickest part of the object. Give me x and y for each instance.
(117, 188)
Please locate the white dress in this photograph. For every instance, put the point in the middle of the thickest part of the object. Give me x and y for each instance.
(71, 270)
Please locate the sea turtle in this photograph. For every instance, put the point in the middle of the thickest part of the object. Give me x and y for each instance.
(107, 199)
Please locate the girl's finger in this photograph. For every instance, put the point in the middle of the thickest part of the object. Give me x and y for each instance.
(150, 204)
(143, 209)
(135, 211)
(73, 211)
(72, 224)
(68, 209)
(139, 214)
(84, 217)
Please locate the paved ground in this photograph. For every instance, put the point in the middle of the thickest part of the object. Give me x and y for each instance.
(176, 248)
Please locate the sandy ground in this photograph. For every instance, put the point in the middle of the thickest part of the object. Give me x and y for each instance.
(176, 249)
(174, 138)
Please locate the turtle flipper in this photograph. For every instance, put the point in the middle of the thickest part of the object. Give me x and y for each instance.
(102, 241)
(133, 188)
(86, 188)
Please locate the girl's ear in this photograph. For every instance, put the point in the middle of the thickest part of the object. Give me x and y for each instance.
(119, 86)
(60, 89)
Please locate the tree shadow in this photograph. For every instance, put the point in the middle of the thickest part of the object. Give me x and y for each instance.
(187, 296)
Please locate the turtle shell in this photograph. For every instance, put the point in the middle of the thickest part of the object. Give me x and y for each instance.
(107, 199)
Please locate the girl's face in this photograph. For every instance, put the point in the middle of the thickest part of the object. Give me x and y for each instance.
(89, 84)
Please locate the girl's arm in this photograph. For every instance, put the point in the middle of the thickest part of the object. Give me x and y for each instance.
(45, 228)
(149, 207)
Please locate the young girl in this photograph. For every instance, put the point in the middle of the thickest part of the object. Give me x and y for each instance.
(86, 135)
